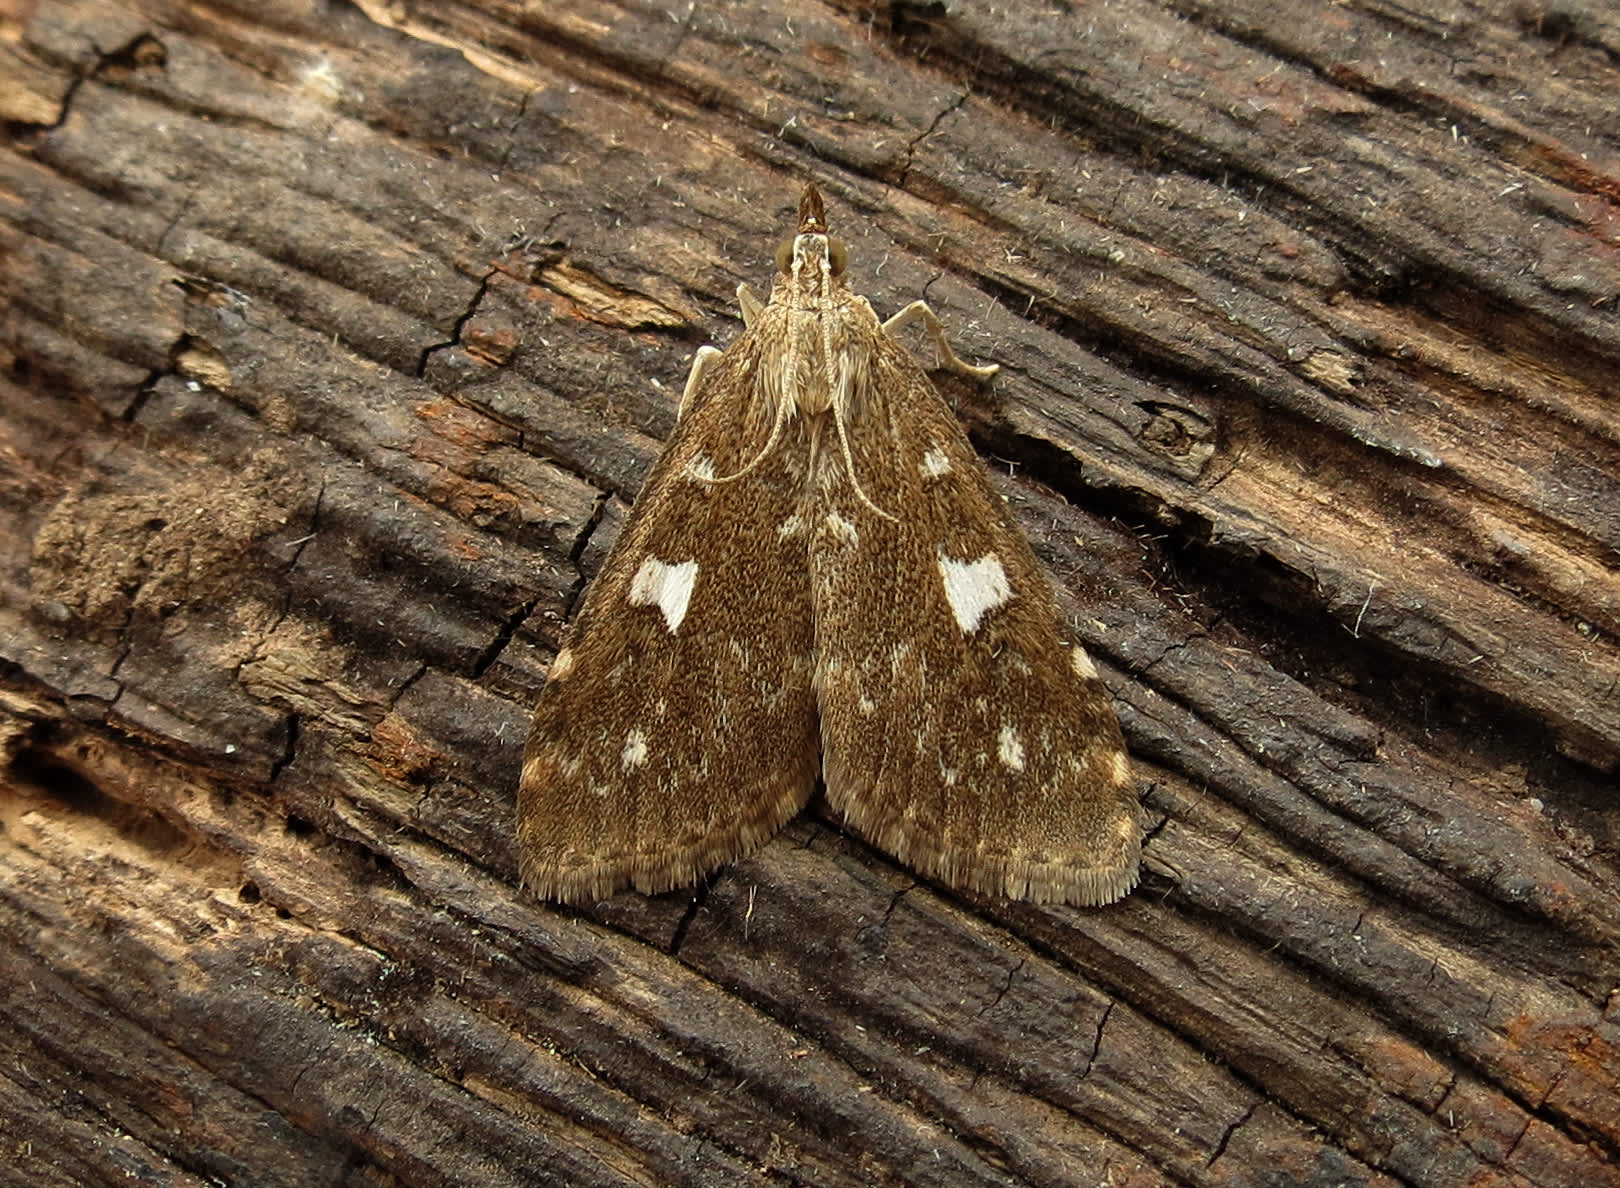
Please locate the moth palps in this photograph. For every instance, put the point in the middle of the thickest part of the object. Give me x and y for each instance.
(818, 580)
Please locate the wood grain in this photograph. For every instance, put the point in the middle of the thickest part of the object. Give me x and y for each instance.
(335, 339)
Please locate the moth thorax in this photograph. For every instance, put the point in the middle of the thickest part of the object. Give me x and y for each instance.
(818, 370)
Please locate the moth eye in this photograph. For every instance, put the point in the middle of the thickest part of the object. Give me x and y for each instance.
(837, 254)
(784, 256)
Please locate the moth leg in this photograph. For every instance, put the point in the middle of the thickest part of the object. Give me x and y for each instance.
(918, 311)
(750, 303)
(700, 363)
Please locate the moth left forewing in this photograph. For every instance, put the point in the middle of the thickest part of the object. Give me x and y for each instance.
(676, 730)
(961, 731)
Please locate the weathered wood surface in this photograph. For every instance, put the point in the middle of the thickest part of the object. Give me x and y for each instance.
(335, 340)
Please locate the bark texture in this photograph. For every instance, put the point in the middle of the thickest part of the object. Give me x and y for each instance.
(335, 339)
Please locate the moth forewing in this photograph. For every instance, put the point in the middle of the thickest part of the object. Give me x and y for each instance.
(960, 731)
(676, 730)
(818, 576)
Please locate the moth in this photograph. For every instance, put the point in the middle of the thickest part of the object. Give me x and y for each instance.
(818, 581)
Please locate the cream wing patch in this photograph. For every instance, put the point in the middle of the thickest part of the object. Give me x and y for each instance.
(935, 464)
(1010, 749)
(973, 588)
(635, 750)
(668, 587)
(843, 529)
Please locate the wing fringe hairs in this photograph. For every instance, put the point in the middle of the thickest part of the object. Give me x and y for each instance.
(818, 579)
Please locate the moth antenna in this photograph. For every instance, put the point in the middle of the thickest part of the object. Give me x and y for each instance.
(849, 466)
(831, 360)
(809, 211)
(764, 452)
(790, 369)
(827, 328)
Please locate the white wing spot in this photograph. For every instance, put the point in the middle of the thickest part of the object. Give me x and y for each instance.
(791, 526)
(973, 588)
(701, 468)
(1122, 768)
(668, 587)
(935, 464)
(1011, 749)
(1081, 663)
(635, 750)
(561, 666)
(842, 529)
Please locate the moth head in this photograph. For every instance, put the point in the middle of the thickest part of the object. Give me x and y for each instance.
(812, 244)
(811, 250)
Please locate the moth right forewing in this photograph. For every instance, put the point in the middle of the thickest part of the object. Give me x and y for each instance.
(961, 731)
(676, 731)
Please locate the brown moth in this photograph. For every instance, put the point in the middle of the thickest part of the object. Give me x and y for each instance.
(818, 579)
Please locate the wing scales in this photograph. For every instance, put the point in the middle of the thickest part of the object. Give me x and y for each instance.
(961, 732)
(677, 730)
